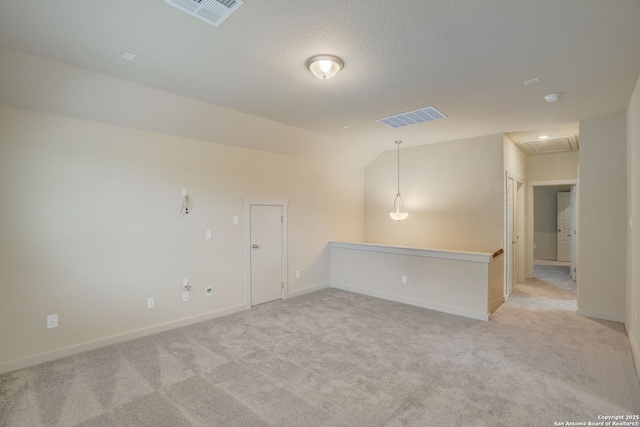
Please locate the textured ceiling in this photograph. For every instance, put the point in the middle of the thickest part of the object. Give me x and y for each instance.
(466, 58)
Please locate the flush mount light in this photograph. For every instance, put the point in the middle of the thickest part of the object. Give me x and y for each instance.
(128, 56)
(324, 66)
(543, 137)
(552, 97)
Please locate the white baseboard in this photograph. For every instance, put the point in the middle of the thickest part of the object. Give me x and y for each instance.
(308, 290)
(635, 351)
(114, 339)
(412, 301)
(603, 316)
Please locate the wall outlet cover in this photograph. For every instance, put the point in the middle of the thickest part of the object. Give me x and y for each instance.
(151, 302)
(52, 321)
(185, 296)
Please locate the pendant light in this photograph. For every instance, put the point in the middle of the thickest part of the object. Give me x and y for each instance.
(398, 213)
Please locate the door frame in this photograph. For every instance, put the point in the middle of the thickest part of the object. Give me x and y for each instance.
(247, 203)
(519, 220)
(559, 234)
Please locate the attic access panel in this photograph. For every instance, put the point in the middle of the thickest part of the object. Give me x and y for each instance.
(214, 12)
(555, 145)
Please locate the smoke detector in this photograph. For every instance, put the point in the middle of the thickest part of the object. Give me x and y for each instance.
(214, 12)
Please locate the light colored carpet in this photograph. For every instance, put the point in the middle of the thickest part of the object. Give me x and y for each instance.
(334, 358)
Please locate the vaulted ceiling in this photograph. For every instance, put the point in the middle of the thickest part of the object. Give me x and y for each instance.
(467, 58)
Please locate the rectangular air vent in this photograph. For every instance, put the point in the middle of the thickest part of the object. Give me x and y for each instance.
(215, 12)
(412, 117)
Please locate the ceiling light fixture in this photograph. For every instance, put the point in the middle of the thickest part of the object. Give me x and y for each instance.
(543, 137)
(552, 97)
(128, 56)
(398, 213)
(324, 66)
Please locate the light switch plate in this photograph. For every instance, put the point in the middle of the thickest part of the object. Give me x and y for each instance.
(207, 235)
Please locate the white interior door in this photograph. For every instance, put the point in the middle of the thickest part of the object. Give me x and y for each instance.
(564, 226)
(511, 241)
(267, 278)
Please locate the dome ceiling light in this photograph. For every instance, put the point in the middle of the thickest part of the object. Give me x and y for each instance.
(324, 66)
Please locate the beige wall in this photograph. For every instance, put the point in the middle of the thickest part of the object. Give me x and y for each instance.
(602, 214)
(633, 228)
(453, 192)
(553, 167)
(90, 228)
(515, 160)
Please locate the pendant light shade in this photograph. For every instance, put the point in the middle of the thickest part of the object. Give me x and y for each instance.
(398, 213)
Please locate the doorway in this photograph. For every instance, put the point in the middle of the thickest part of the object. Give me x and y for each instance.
(553, 228)
(265, 254)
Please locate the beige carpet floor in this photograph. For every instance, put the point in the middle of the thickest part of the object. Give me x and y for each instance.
(334, 358)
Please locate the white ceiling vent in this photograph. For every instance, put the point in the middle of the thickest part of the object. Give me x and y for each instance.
(215, 12)
(412, 117)
(552, 145)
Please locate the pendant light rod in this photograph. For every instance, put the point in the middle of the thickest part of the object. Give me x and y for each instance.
(398, 213)
(398, 144)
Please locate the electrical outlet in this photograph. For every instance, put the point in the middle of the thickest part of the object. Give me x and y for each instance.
(404, 280)
(209, 291)
(235, 220)
(185, 296)
(207, 234)
(52, 321)
(151, 302)
(297, 274)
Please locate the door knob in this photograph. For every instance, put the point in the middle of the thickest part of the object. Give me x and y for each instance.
(254, 246)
